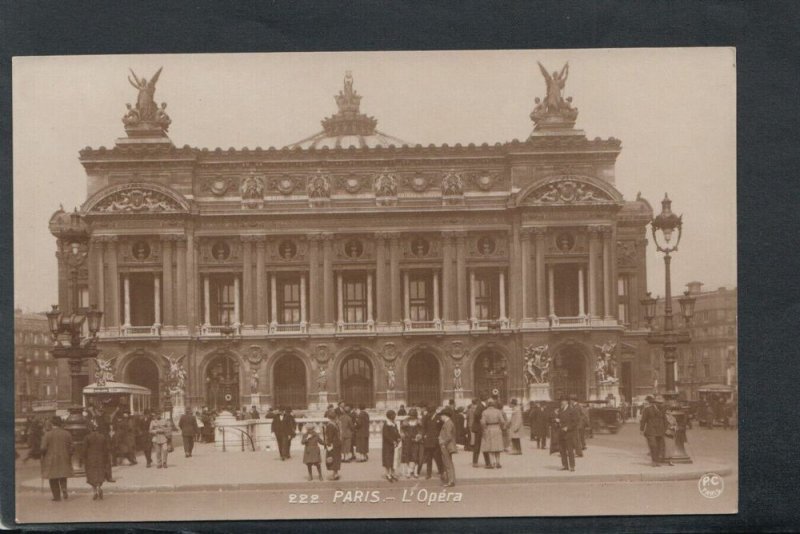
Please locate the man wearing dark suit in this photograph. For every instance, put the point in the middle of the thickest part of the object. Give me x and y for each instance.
(283, 427)
(477, 429)
(145, 442)
(431, 427)
(447, 446)
(188, 426)
(568, 421)
(653, 426)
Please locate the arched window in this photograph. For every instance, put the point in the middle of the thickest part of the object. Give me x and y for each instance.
(357, 381)
(290, 382)
(423, 380)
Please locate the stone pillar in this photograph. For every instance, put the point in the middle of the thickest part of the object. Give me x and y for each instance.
(394, 272)
(381, 275)
(472, 310)
(206, 301)
(327, 278)
(593, 235)
(127, 300)
(406, 298)
(303, 313)
(607, 273)
(180, 282)
(514, 310)
(541, 296)
(166, 245)
(370, 317)
(581, 297)
(157, 300)
(247, 280)
(502, 289)
(96, 268)
(112, 311)
(448, 280)
(237, 305)
(273, 299)
(339, 298)
(526, 286)
(315, 285)
(614, 273)
(461, 276)
(551, 291)
(192, 282)
(436, 316)
(261, 297)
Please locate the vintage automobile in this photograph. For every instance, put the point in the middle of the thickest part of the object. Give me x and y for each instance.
(604, 417)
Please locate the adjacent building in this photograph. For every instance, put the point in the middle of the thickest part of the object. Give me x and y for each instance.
(36, 373)
(355, 266)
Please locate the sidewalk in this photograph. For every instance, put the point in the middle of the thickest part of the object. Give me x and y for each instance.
(209, 469)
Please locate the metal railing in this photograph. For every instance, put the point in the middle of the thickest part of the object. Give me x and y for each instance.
(369, 326)
(410, 325)
(288, 328)
(131, 330)
(243, 434)
(219, 330)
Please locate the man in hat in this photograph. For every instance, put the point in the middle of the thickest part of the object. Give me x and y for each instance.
(447, 444)
(431, 428)
(653, 426)
(57, 458)
(188, 426)
(568, 419)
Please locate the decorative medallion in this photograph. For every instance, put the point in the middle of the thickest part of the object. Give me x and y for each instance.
(457, 350)
(351, 184)
(486, 246)
(252, 190)
(484, 180)
(218, 185)
(287, 249)
(255, 355)
(389, 352)
(221, 251)
(285, 185)
(321, 354)
(420, 247)
(419, 183)
(141, 250)
(354, 248)
(565, 242)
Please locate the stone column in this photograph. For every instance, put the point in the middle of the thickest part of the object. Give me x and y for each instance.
(127, 300)
(593, 235)
(607, 272)
(112, 297)
(339, 299)
(157, 300)
(180, 282)
(273, 299)
(406, 298)
(370, 317)
(502, 289)
(261, 297)
(381, 275)
(315, 285)
(327, 278)
(206, 301)
(461, 276)
(436, 315)
(448, 280)
(472, 310)
(96, 273)
(237, 304)
(614, 273)
(514, 311)
(551, 291)
(247, 280)
(394, 283)
(526, 287)
(303, 314)
(541, 296)
(581, 297)
(193, 283)
(166, 246)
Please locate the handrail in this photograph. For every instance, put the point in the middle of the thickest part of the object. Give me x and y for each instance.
(252, 444)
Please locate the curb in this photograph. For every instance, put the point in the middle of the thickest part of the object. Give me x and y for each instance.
(722, 469)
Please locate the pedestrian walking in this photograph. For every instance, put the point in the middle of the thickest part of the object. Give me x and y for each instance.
(469, 422)
(412, 435)
(198, 437)
(283, 428)
(477, 430)
(145, 439)
(390, 440)
(458, 421)
(492, 422)
(161, 432)
(188, 425)
(447, 443)
(346, 429)
(515, 427)
(567, 419)
(362, 433)
(311, 456)
(125, 439)
(57, 458)
(653, 426)
(96, 459)
(333, 445)
(583, 426)
(431, 426)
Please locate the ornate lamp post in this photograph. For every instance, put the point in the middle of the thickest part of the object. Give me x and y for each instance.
(78, 348)
(663, 228)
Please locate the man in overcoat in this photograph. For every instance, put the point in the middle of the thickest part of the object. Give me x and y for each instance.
(57, 458)
(188, 425)
(477, 430)
(282, 427)
(653, 426)
(568, 421)
(431, 426)
(346, 428)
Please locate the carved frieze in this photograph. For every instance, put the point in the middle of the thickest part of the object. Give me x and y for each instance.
(627, 252)
(352, 183)
(452, 188)
(137, 200)
(385, 188)
(252, 191)
(568, 190)
(285, 185)
(217, 185)
(318, 188)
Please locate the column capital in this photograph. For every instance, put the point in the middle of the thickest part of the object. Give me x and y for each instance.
(538, 231)
(595, 230)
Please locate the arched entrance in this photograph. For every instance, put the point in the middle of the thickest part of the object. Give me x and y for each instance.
(222, 383)
(422, 379)
(568, 373)
(289, 377)
(142, 371)
(491, 373)
(357, 381)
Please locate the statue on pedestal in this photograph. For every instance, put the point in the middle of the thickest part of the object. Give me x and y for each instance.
(146, 109)
(457, 385)
(537, 364)
(555, 111)
(606, 366)
(254, 382)
(322, 378)
(104, 372)
(390, 376)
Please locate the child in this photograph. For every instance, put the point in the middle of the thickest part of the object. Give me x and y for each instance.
(311, 456)
(391, 439)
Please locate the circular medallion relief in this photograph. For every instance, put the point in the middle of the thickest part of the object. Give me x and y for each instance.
(352, 184)
(486, 245)
(141, 250)
(287, 249)
(221, 250)
(565, 241)
(353, 248)
(420, 247)
(484, 182)
(218, 185)
(419, 184)
(285, 185)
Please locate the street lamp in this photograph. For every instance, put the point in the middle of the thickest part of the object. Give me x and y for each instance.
(664, 228)
(69, 329)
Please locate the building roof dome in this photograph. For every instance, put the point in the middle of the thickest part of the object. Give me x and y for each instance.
(348, 127)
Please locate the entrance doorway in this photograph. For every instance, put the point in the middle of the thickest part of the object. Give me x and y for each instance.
(357, 381)
(290, 382)
(222, 379)
(142, 371)
(569, 374)
(491, 375)
(423, 380)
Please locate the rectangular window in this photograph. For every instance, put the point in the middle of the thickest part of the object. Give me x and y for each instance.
(289, 300)
(706, 370)
(142, 300)
(622, 298)
(355, 298)
(419, 298)
(487, 305)
(223, 300)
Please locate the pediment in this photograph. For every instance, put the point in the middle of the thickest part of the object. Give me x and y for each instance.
(136, 198)
(570, 190)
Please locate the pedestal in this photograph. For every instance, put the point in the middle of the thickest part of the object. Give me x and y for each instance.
(178, 407)
(322, 401)
(608, 391)
(539, 392)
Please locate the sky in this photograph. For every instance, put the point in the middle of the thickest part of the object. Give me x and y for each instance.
(673, 108)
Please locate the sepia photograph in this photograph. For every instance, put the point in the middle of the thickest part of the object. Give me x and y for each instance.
(399, 284)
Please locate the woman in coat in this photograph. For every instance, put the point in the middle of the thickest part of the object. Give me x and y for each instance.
(492, 423)
(411, 432)
(96, 459)
(333, 445)
(515, 428)
(391, 439)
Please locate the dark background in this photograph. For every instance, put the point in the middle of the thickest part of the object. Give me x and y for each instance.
(765, 35)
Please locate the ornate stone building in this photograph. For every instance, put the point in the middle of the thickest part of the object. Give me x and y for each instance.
(352, 265)
(36, 373)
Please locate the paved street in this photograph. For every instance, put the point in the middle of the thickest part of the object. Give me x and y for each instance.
(482, 492)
